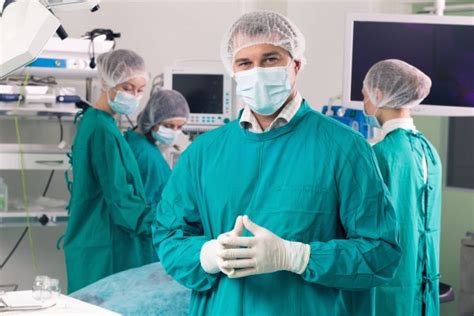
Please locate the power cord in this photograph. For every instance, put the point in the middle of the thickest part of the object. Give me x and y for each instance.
(23, 184)
(157, 83)
(14, 248)
(61, 134)
(109, 35)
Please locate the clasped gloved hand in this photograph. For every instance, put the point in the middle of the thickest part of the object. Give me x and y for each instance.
(210, 261)
(265, 252)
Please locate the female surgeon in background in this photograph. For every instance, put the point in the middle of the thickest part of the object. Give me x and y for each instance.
(109, 220)
(411, 168)
(160, 122)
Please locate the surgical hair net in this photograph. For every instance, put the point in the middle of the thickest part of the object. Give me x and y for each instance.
(162, 105)
(118, 66)
(262, 27)
(393, 83)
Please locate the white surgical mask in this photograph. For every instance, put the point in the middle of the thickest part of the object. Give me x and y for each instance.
(264, 90)
(372, 120)
(164, 135)
(124, 103)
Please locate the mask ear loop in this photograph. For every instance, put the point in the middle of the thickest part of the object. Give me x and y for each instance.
(375, 115)
(108, 95)
(291, 61)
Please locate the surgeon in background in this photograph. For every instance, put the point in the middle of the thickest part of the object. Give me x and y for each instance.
(159, 123)
(282, 211)
(109, 220)
(411, 168)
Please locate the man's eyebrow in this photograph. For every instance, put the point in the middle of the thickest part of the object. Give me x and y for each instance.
(271, 54)
(266, 55)
(241, 59)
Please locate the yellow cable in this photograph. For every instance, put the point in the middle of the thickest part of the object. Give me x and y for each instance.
(23, 182)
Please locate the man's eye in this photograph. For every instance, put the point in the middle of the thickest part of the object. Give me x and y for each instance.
(244, 64)
(270, 60)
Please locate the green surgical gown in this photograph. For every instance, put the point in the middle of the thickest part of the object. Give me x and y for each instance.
(154, 170)
(418, 207)
(109, 221)
(313, 181)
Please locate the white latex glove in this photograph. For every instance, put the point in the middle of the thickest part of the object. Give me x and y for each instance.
(263, 253)
(210, 262)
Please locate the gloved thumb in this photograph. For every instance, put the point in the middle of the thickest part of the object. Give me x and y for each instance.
(251, 226)
(238, 227)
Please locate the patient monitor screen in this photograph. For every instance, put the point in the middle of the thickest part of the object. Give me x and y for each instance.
(204, 93)
(444, 52)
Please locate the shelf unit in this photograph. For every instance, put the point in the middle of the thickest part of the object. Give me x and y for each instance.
(74, 56)
(37, 110)
(35, 157)
(43, 218)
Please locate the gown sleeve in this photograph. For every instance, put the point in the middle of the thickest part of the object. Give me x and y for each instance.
(122, 192)
(369, 256)
(177, 230)
(154, 172)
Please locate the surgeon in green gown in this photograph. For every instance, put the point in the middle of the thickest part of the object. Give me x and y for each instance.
(157, 125)
(411, 168)
(282, 211)
(109, 227)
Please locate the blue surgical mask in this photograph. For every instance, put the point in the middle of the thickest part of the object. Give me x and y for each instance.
(264, 90)
(372, 120)
(124, 103)
(164, 135)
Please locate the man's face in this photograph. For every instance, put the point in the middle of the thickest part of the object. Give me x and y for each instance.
(266, 55)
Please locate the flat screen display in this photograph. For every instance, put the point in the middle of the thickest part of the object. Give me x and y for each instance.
(444, 52)
(204, 93)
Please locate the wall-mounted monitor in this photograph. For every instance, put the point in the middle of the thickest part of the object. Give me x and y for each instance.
(440, 46)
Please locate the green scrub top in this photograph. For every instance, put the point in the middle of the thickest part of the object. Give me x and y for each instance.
(109, 221)
(313, 180)
(154, 170)
(418, 206)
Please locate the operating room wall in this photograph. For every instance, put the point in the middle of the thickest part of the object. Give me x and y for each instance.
(166, 31)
